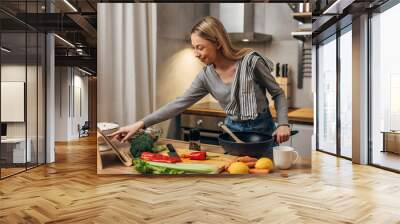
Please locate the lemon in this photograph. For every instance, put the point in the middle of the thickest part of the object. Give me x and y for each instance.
(238, 168)
(264, 163)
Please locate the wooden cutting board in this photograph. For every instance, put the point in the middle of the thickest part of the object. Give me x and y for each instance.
(108, 163)
(217, 159)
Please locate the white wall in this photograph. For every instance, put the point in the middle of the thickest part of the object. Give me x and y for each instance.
(67, 115)
(14, 73)
(80, 117)
(17, 73)
(61, 103)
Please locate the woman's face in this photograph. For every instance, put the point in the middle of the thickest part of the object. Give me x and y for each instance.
(205, 50)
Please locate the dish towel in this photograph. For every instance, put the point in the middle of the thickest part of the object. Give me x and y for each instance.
(243, 104)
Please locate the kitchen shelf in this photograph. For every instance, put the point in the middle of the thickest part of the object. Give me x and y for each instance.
(302, 35)
(304, 17)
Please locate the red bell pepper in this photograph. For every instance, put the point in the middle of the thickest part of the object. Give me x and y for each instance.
(148, 156)
(198, 155)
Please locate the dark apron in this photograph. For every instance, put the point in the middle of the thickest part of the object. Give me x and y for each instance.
(263, 123)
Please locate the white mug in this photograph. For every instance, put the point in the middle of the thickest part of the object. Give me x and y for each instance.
(284, 156)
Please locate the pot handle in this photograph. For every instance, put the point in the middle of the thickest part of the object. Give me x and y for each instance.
(293, 132)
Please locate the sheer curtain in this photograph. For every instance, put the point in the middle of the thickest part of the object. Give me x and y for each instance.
(126, 61)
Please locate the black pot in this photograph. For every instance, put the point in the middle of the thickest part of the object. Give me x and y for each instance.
(256, 144)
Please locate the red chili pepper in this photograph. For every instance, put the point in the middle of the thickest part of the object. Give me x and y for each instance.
(198, 155)
(148, 156)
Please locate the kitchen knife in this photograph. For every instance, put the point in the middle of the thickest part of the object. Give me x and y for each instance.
(285, 70)
(277, 69)
(172, 153)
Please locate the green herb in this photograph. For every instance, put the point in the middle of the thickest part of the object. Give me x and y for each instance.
(142, 167)
(146, 168)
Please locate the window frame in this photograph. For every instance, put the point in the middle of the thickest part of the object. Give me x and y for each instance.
(378, 10)
(333, 37)
(31, 30)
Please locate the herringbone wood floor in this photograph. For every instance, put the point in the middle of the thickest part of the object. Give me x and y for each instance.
(69, 191)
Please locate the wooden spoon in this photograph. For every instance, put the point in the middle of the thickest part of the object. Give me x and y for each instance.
(223, 126)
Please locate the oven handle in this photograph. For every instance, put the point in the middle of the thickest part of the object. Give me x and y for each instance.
(205, 134)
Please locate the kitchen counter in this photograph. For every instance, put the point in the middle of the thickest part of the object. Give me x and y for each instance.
(108, 163)
(295, 115)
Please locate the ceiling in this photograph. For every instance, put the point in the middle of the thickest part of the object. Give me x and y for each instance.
(331, 16)
(74, 21)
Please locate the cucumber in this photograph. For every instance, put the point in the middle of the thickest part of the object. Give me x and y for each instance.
(188, 167)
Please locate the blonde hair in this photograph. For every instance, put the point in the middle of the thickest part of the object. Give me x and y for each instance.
(212, 29)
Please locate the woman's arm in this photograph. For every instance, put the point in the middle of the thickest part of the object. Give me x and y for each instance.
(263, 76)
(196, 91)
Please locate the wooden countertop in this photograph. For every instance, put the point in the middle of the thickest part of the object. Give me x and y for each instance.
(295, 115)
(109, 164)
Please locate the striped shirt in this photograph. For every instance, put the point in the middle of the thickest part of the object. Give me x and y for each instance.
(209, 82)
(243, 104)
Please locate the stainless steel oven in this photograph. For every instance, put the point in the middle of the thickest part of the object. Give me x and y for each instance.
(208, 126)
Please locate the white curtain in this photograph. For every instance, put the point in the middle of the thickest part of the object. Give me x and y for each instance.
(126, 61)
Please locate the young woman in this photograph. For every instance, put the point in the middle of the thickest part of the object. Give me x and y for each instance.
(237, 79)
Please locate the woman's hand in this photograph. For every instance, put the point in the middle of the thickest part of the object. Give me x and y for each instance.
(124, 133)
(282, 134)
